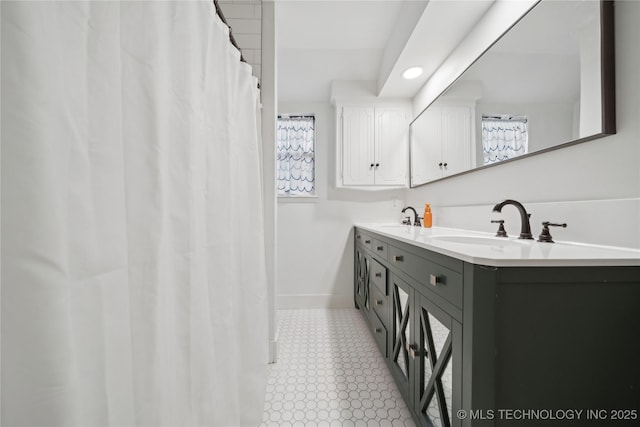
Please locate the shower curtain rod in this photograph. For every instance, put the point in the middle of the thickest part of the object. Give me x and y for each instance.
(231, 38)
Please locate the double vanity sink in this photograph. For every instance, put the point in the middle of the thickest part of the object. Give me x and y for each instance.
(473, 323)
(487, 249)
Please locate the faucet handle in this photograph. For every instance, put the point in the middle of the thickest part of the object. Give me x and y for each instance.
(545, 235)
(501, 231)
(406, 220)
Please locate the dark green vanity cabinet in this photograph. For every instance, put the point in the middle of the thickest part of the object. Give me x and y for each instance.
(423, 341)
(502, 343)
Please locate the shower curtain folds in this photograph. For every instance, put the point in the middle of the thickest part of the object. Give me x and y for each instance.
(133, 265)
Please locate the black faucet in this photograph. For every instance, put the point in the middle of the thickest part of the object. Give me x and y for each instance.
(525, 230)
(416, 218)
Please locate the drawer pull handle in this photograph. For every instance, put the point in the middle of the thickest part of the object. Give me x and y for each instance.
(379, 302)
(378, 330)
(413, 350)
(378, 274)
(367, 241)
(434, 280)
(380, 248)
(398, 258)
(358, 236)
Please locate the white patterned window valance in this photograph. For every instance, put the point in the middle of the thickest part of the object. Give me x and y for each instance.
(296, 155)
(503, 137)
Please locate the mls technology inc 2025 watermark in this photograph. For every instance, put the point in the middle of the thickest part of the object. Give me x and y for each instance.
(549, 414)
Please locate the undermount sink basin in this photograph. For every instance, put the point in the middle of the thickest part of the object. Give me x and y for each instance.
(399, 227)
(476, 240)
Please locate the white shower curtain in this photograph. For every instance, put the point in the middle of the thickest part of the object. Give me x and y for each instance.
(133, 265)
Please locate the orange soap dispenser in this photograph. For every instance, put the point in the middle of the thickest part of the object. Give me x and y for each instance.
(428, 219)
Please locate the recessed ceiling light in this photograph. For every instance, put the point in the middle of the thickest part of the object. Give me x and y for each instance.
(412, 73)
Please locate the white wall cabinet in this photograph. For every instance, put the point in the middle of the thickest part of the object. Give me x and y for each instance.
(442, 142)
(373, 145)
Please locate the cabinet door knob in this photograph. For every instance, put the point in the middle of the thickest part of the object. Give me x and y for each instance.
(379, 302)
(440, 164)
(371, 165)
(358, 236)
(378, 330)
(380, 248)
(378, 274)
(367, 241)
(398, 258)
(434, 279)
(377, 165)
(413, 350)
(445, 165)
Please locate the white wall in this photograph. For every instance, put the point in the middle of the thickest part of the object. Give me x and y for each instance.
(594, 186)
(315, 239)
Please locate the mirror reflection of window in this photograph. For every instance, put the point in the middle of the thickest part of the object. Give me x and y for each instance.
(503, 137)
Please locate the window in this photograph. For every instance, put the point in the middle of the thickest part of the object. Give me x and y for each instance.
(503, 137)
(295, 152)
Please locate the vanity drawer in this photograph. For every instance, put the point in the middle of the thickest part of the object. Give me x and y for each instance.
(365, 239)
(442, 280)
(379, 248)
(379, 276)
(380, 304)
(379, 334)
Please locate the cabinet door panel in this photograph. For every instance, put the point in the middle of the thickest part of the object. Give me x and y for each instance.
(426, 146)
(391, 141)
(456, 139)
(359, 277)
(434, 397)
(401, 336)
(357, 146)
(362, 278)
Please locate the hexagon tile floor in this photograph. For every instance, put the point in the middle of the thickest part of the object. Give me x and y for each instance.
(330, 374)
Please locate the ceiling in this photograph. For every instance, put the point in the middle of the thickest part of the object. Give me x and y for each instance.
(319, 41)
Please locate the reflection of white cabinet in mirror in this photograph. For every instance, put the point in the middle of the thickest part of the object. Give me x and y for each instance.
(372, 144)
(442, 141)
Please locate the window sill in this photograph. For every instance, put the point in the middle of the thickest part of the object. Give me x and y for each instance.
(298, 199)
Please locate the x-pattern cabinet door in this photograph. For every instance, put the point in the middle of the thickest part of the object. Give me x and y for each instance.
(438, 367)
(363, 271)
(402, 335)
(359, 276)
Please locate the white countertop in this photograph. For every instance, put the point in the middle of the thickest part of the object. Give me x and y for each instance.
(486, 249)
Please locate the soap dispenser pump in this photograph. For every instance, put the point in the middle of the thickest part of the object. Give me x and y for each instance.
(428, 217)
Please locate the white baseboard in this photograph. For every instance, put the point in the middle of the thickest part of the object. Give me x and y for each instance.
(314, 301)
